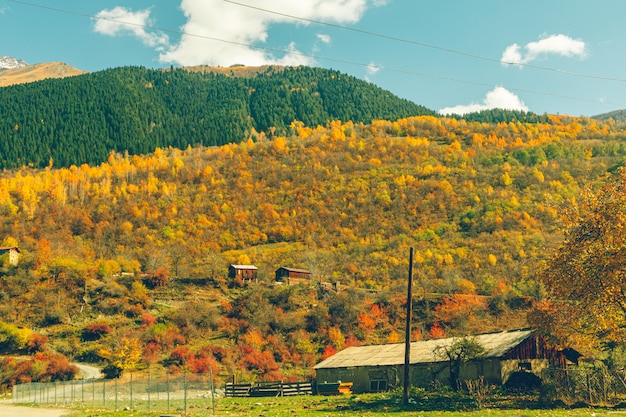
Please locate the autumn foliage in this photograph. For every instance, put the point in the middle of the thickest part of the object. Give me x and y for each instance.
(142, 244)
(585, 276)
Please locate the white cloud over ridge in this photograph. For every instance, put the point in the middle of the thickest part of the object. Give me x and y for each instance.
(498, 98)
(122, 21)
(559, 44)
(221, 33)
(371, 70)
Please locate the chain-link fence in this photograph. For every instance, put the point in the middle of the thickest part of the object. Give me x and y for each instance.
(598, 386)
(166, 393)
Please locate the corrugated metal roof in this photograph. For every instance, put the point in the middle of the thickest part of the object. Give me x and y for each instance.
(244, 266)
(495, 345)
(302, 271)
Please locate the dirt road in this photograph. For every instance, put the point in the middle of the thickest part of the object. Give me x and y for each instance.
(7, 410)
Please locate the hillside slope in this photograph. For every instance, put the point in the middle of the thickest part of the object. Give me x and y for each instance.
(617, 115)
(133, 254)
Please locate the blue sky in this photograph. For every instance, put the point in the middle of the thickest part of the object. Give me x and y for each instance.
(555, 56)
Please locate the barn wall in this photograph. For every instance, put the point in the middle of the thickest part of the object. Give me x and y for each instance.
(537, 366)
(421, 375)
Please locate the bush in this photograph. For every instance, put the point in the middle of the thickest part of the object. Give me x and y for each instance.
(37, 343)
(111, 371)
(95, 331)
(12, 339)
(548, 394)
(158, 279)
(523, 382)
(42, 367)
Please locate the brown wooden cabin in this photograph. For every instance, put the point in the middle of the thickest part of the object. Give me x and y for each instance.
(247, 273)
(292, 276)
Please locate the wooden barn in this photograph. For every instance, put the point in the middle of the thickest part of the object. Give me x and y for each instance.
(247, 273)
(14, 253)
(292, 276)
(381, 367)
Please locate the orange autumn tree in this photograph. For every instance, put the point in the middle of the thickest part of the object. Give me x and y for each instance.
(586, 276)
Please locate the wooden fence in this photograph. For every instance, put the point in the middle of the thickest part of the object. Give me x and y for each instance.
(268, 389)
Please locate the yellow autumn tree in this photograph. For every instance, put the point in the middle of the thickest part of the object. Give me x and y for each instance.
(121, 355)
(585, 276)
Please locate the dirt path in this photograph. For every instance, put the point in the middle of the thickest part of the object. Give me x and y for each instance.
(7, 410)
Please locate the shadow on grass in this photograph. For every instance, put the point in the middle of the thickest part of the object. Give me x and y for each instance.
(447, 401)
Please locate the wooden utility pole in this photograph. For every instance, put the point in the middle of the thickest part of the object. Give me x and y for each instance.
(407, 343)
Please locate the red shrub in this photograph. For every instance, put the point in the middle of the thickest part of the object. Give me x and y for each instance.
(147, 320)
(95, 331)
(203, 365)
(37, 343)
(181, 355)
(263, 362)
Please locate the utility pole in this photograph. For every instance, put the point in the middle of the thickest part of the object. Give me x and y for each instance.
(407, 344)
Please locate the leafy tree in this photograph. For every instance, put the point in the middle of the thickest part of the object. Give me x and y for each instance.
(120, 354)
(459, 352)
(585, 278)
(12, 338)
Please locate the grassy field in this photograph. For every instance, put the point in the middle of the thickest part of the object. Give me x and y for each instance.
(370, 405)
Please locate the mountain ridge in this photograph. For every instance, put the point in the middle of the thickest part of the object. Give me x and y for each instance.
(24, 74)
(8, 62)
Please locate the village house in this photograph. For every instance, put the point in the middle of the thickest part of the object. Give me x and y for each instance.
(14, 253)
(292, 276)
(381, 367)
(247, 273)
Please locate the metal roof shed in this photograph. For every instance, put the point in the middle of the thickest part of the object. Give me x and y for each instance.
(379, 367)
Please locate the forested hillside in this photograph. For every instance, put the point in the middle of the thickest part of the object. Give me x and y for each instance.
(125, 263)
(82, 119)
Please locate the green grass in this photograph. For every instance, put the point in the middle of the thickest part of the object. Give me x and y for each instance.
(367, 405)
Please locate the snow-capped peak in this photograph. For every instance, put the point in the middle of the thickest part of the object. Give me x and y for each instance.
(7, 62)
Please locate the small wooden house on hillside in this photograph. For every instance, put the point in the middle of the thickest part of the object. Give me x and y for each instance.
(13, 252)
(247, 273)
(292, 276)
(381, 367)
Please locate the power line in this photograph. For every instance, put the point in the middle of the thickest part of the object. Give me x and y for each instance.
(426, 45)
(318, 57)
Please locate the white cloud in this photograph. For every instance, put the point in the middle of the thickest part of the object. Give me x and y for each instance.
(323, 38)
(221, 33)
(548, 45)
(498, 98)
(372, 69)
(122, 21)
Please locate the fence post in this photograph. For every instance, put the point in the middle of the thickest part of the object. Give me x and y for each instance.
(131, 391)
(104, 390)
(116, 393)
(212, 390)
(185, 390)
(167, 383)
(148, 389)
(589, 387)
